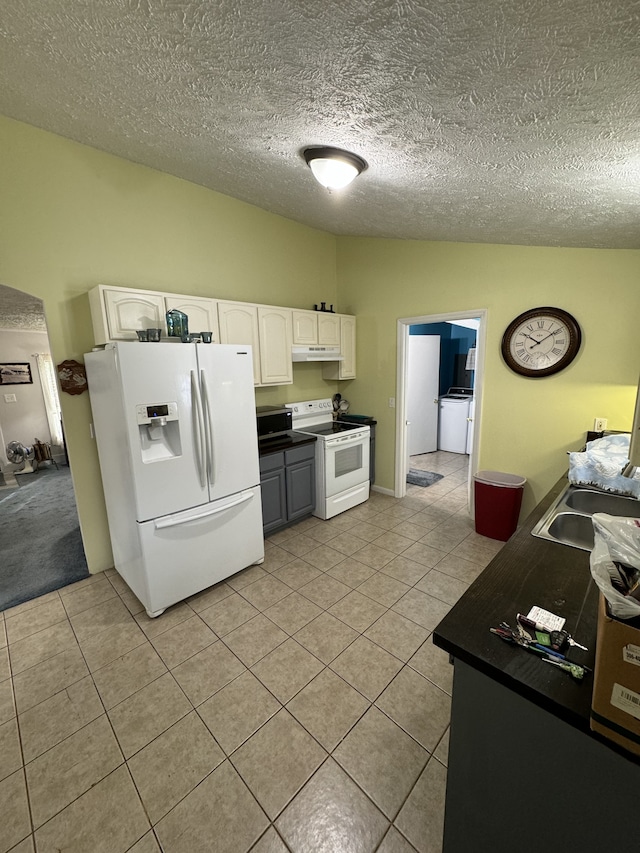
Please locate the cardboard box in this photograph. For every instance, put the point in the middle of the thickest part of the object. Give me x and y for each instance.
(615, 705)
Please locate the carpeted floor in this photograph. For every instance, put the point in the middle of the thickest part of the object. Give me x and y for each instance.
(422, 478)
(40, 544)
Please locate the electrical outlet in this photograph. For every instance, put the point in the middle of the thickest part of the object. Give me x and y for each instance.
(10, 398)
(599, 424)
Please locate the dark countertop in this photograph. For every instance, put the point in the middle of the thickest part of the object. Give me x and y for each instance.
(529, 571)
(284, 442)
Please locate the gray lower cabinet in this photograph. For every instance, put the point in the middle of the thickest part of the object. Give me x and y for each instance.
(288, 485)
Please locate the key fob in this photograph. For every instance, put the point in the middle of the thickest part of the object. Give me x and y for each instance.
(559, 639)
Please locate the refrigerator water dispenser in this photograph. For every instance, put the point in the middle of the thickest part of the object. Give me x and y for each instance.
(159, 431)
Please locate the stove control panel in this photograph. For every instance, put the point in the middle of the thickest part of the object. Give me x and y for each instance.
(311, 407)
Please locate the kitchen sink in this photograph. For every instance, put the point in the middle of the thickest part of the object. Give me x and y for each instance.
(568, 519)
(590, 501)
(573, 529)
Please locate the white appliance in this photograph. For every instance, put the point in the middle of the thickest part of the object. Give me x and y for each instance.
(342, 456)
(313, 353)
(453, 420)
(175, 427)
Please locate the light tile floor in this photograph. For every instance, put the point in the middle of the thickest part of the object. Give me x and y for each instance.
(299, 706)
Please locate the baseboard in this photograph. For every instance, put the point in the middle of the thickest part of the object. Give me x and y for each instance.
(383, 491)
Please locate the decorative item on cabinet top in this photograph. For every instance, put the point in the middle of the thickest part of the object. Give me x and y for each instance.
(177, 323)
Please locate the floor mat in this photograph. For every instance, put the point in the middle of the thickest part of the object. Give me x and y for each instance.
(422, 478)
(40, 539)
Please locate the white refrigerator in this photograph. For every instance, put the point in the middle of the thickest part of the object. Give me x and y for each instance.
(177, 441)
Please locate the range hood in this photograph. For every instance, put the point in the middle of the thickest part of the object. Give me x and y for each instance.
(316, 354)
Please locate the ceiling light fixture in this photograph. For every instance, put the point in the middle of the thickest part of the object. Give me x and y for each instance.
(334, 168)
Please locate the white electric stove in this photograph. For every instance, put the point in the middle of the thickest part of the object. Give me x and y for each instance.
(342, 456)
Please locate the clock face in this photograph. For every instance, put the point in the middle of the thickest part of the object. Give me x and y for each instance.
(541, 342)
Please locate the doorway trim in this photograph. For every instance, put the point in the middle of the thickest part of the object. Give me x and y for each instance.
(400, 486)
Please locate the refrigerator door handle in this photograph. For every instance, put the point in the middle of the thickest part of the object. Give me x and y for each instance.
(197, 428)
(174, 521)
(208, 433)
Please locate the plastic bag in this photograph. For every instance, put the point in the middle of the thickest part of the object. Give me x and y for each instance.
(617, 541)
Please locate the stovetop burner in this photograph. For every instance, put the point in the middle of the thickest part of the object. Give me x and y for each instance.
(327, 428)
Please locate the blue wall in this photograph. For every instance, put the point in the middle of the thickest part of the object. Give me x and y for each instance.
(455, 342)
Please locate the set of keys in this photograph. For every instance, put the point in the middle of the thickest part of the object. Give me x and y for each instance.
(545, 643)
(555, 639)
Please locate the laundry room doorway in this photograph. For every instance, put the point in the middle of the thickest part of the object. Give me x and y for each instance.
(432, 377)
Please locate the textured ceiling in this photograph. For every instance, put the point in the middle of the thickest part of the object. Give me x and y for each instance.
(20, 311)
(512, 121)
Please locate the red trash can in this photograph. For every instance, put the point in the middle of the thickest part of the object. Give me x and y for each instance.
(498, 498)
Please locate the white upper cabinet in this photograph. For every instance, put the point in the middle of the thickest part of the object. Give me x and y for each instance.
(345, 369)
(202, 314)
(117, 313)
(328, 329)
(120, 312)
(305, 327)
(348, 347)
(239, 325)
(268, 330)
(318, 328)
(276, 365)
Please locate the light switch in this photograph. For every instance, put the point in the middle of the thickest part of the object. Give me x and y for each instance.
(10, 398)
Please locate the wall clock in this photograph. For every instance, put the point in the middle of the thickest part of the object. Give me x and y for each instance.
(541, 341)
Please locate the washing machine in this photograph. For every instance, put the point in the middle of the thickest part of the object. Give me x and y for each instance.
(453, 419)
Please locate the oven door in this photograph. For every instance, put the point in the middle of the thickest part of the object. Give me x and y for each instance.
(346, 461)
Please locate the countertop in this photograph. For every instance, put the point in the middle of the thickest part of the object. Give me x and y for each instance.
(284, 442)
(529, 571)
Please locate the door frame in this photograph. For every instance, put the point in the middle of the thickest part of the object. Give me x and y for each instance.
(400, 489)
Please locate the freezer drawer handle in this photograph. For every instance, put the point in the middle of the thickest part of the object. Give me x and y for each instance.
(173, 521)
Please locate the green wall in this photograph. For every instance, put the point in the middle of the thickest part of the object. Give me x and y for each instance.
(527, 425)
(72, 217)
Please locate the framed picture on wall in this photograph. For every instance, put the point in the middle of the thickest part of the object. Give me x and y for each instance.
(15, 374)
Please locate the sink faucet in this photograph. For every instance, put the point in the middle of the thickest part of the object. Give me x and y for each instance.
(634, 445)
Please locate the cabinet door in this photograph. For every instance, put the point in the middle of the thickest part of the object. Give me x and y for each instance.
(305, 327)
(301, 489)
(276, 339)
(345, 369)
(202, 314)
(274, 507)
(348, 347)
(328, 330)
(239, 325)
(130, 310)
